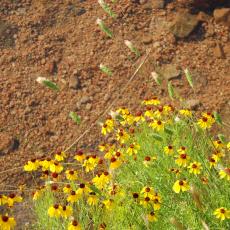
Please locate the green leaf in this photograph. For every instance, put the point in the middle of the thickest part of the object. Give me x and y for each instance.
(95, 189)
(218, 118)
(106, 70)
(157, 137)
(75, 117)
(51, 85)
(168, 131)
(189, 77)
(171, 90)
(222, 138)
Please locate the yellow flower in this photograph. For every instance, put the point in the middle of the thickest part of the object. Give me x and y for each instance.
(6, 222)
(149, 160)
(182, 149)
(71, 175)
(92, 199)
(157, 125)
(108, 126)
(67, 189)
(66, 211)
(60, 156)
(218, 155)
(101, 180)
(149, 112)
(3, 199)
(56, 167)
(31, 165)
(80, 156)
(38, 193)
(45, 164)
(133, 149)
(225, 173)
(182, 159)
(195, 167)
(212, 161)
(74, 225)
(151, 217)
(206, 121)
(90, 163)
(152, 101)
(122, 136)
(228, 146)
(83, 189)
(13, 198)
(218, 144)
(185, 112)
(54, 211)
(115, 163)
(147, 191)
(176, 171)
(168, 150)
(73, 197)
(222, 213)
(139, 117)
(108, 204)
(156, 202)
(181, 185)
(146, 201)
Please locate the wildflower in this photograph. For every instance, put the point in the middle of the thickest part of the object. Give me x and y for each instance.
(74, 225)
(54, 211)
(83, 189)
(147, 191)
(73, 197)
(90, 163)
(182, 159)
(102, 147)
(212, 161)
(80, 156)
(71, 175)
(102, 226)
(148, 160)
(225, 173)
(206, 121)
(222, 213)
(101, 180)
(149, 112)
(176, 171)
(45, 164)
(92, 199)
(6, 222)
(168, 150)
(204, 180)
(54, 187)
(182, 149)
(60, 156)
(168, 108)
(31, 165)
(185, 112)
(210, 116)
(108, 126)
(3, 199)
(156, 203)
(218, 155)
(195, 167)
(67, 189)
(133, 149)
(135, 195)
(37, 194)
(146, 201)
(139, 117)
(218, 144)
(157, 125)
(122, 136)
(115, 163)
(181, 185)
(56, 167)
(66, 211)
(228, 146)
(108, 204)
(151, 217)
(13, 198)
(152, 101)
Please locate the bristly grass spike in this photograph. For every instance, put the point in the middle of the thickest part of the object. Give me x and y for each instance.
(106, 70)
(107, 9)
(104, 28)
(130, 45)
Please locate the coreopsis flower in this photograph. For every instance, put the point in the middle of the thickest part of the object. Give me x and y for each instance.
(228, 146)
(218, 155)
(115, 163)
(212, 161)
(66, 211)
(83, 189)
(222, 213)
(182, 159)
(90, 163)
(225, 173)
(73, 197)
(149, 112)
(210, 116)
(152, 101)
(218, 144)
(67, 189)
(102, 147)
(157, 125)
(151, 217)
(139, 117)
(195, 167)
(167, 109)
(146, 201)
(109, 203)
(133, 149)
(31, 165)
(149, 160)
(108, 126)
(168, 150)
(56, 167)
(71, 175)
(116, 190)
(45, 164)
(6, 222)
(60, 156)
(176, 171)
(181, 185)
(204, 180)
(182, 149)
(54, 211)
(74, 225)
(37, 194)
(13, 198)
(92, 199)
(3, 199)
(147, 191)
(101, 180)
(80, 156)
(185, 112)
(156, 202)
(122, 136)
(206, 122)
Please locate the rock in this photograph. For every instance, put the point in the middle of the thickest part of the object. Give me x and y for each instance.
(85, 99)
(158, 4)
(7, 144)
(88, 106)
(192, 104)
(222, 16)
(183, 25)
(74, 81)
(169, 71)
(147, 39)
(52, 68)
(218, 51)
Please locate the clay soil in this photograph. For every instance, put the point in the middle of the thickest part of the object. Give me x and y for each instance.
(60, 40)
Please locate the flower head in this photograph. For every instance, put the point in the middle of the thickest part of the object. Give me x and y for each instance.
(222, 213)
(181, 185)
(54, 211)
(195, 167)
(74, 225)
(6, 222)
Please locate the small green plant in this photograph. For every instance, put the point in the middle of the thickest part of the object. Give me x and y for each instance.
(76, 118)
(133, 49)
(104, 28)
(106, 8)
(47, 83)
(106, 70)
